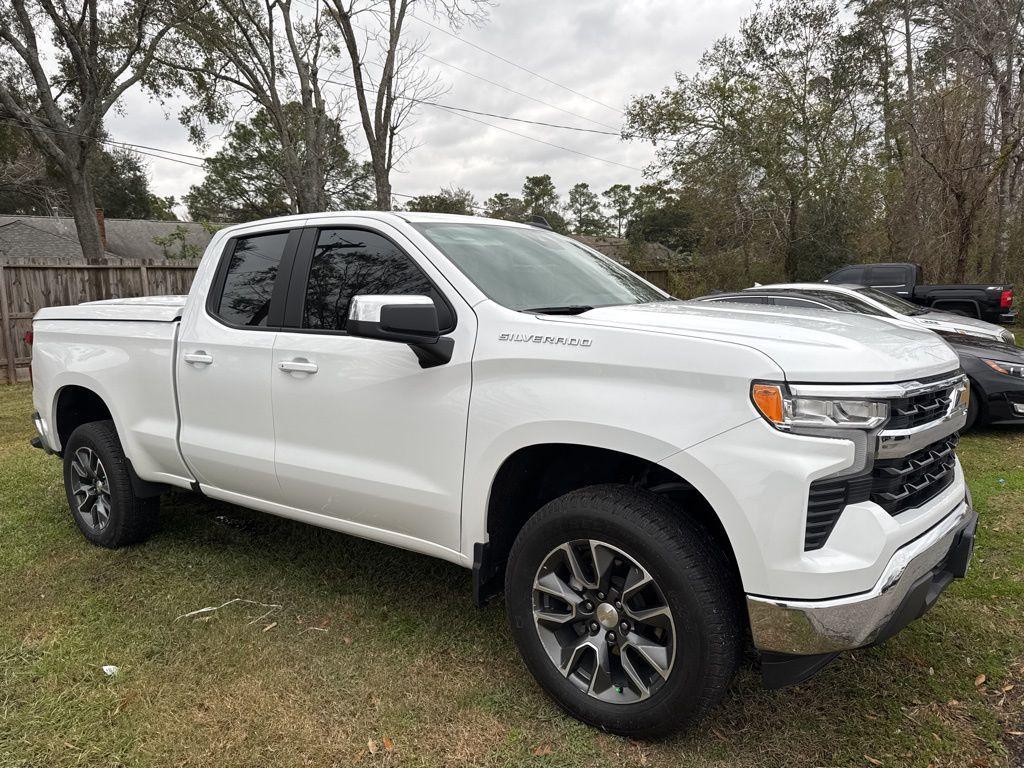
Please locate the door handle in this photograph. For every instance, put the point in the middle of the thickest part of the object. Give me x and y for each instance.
(298, 366)
(198, 358)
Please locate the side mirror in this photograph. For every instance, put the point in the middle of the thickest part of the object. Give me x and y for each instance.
(408, 320)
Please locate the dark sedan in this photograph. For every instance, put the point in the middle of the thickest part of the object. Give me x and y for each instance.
(996, 369)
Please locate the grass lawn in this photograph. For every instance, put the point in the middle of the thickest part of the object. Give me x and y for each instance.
(378, 657)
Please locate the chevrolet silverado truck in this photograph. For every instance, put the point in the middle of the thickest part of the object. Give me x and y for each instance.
(988, 302)
(649, 482)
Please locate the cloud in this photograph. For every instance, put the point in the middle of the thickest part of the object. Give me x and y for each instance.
(606, 49)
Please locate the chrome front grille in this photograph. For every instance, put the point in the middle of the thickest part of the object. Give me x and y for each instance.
(914, 459)
(915, 410)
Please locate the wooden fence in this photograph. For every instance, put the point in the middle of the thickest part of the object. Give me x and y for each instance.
(27, 288)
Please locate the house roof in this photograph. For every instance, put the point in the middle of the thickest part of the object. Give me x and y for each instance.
(126, 238)
(21, 241)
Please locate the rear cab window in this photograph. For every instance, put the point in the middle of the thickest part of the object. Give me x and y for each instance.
(244, 288)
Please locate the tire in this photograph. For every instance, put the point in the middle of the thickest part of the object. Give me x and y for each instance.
(99, 489)
(973, 411)
(691, 577)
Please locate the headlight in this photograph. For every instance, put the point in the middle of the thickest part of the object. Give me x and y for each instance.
(1008, 337)
(786, 412)
(1010, 369)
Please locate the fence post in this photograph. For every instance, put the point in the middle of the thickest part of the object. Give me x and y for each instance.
(5, 320)
(144, 273)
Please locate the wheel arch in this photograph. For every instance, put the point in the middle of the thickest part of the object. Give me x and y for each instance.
(533, 475)
(77, 404)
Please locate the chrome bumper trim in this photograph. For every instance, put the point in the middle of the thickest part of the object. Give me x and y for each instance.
(807, 627)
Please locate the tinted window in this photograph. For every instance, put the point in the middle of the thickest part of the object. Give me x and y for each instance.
(353, 262)
(741, 300)
(249, 282)
(848, 275)
(781, 301)
(894, 276)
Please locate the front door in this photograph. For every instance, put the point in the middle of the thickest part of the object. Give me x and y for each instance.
(364, 434)
(224, 367)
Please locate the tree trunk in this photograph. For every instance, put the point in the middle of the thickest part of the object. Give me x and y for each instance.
(82, 202)
(382, 183)
(996, 266)
(793, 215)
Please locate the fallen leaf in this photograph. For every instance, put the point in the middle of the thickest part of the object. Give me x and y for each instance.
(979, 680)
(347, 640)
(389, 745)
(543, 749)
(872, 760)
(359, 758)
(1015, 733)
(1007, 688)
(270, 626)
(372, 746)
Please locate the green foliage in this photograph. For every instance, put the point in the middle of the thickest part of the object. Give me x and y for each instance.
(584, 209)
(659, 215)
(176, 246)
(449, 200)
(774, 128)
(246, 180)
(502, 205)
(619, 199)
(540, 198)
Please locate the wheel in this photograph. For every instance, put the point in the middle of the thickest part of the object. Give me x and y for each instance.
(624, 610)
(99, 488)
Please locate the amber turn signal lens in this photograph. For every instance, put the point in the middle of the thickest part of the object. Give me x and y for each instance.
(768, 399)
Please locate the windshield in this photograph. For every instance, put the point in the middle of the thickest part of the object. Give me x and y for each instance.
(892, 302)
(533, 269)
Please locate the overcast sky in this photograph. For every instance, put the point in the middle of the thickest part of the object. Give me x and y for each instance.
(607, 49)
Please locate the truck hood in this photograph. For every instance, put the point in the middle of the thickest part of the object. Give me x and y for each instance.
(808, 345)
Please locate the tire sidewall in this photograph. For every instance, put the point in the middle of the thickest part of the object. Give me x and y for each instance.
(678, 698)
(97, 437)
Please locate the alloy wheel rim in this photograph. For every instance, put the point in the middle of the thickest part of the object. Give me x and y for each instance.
(604, 621)
(90, 488)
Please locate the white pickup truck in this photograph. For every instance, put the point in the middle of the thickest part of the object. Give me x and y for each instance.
(650, 482)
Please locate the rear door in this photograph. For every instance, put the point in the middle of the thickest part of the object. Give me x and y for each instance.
(364, 434)
(224, 366)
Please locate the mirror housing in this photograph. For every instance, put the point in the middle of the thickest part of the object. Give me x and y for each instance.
(406, 319)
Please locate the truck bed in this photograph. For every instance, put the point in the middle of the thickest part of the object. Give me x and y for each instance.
(122, 349)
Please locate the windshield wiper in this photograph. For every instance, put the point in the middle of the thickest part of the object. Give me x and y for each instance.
(571, 309)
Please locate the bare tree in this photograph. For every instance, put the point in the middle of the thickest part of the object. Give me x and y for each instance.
(235, 54)
(387, 101)
(991, 33)
(103, 49)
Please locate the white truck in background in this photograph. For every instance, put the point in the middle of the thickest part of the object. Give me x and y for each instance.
(648, 481)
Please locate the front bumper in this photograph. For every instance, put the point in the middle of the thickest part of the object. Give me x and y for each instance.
(799, 636)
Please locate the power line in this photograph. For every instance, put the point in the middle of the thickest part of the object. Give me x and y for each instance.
(547, 143)
(515, 64)
(517, 93)
(139, 148)
(441, 105)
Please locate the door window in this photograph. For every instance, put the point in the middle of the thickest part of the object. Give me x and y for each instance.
(847, 275)
(249, 280)
(355, 262)
(890, 277)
